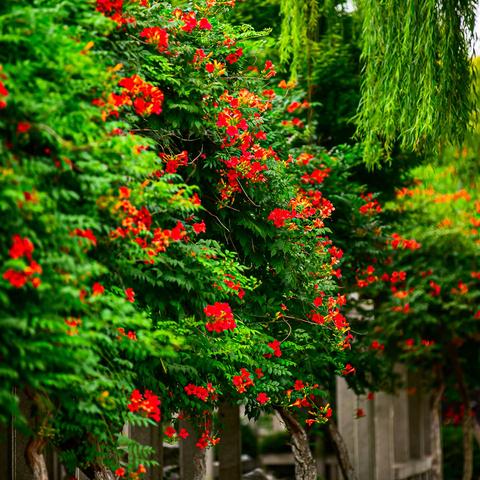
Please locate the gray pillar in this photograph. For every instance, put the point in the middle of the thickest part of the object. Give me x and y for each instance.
(192, 459)
(384, 449)
(153, 437)
(230, 446)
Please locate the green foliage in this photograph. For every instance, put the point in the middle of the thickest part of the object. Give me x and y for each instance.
(417, 75)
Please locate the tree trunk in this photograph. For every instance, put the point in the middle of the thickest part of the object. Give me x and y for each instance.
(199, 465)
(305, 465)
(467, 428)
(476, 430)
(341, 450)
(35, 459)
(103, 473)
(435, 434)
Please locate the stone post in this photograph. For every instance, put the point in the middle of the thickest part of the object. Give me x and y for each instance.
(230, 446)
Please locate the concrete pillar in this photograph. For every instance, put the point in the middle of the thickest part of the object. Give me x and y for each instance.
(384, 434)
(401, 422)
(153, 437)
(230, 446)
(191, 457)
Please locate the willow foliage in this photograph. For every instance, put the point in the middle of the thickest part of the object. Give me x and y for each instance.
(417, 74)
(299, 23)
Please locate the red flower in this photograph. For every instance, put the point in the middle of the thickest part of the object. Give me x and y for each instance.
(98, 288)
(124, 192)
(349, 369)
(436, 289)
(21, 247)
(262, 398)
(376, 345)
(170, 432)
(199, 391)
(259, 373)
(86, 233)
(275, 346)
(156, 35)
(222, 316)
(120, 472)
(148, 404)
(23, 127)
(210, 67)
(242, 381)
(298, 385)
(183, 433)
(130, 294)
(360, 413)
(199, 227)
(16, 279)
(279, 216)
(204, 24)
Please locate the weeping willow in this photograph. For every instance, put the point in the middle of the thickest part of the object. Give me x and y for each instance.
(299, 24)
(417, 75)
(416, 86)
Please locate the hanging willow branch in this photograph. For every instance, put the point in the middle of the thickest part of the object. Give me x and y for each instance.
(417, 76)
(299, 26)
(416, 86)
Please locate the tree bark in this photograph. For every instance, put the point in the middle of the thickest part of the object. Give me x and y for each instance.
(305, 465)
(467, 428)
(435, 434)
(476, 431)
(199, 465)
(35, 459)
(341, 450)
(103, 473)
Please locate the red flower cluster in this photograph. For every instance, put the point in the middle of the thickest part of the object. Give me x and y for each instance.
(376, 345)
(190, 21)
(199, 227)
(435, 289)
(137, 93)
(400, 242)
(368, 277)
(23, 247)
(242, 381)
(316, 177)
(73, 324)
(85, 233)
(130, 295)
(279, 216)
(148, 404)
(131, 334)
(222, 317)
(371, 205)
(262, 398)
(275, 346)
(307, 205)
(114, 10)
(206, 440)
(172, 162)
(201, 392)
(3, 89)
(157, 36)
(234, 57)
(137, 223)
(231, 284)
(349, 369)
(248, 162)
(395, 277)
